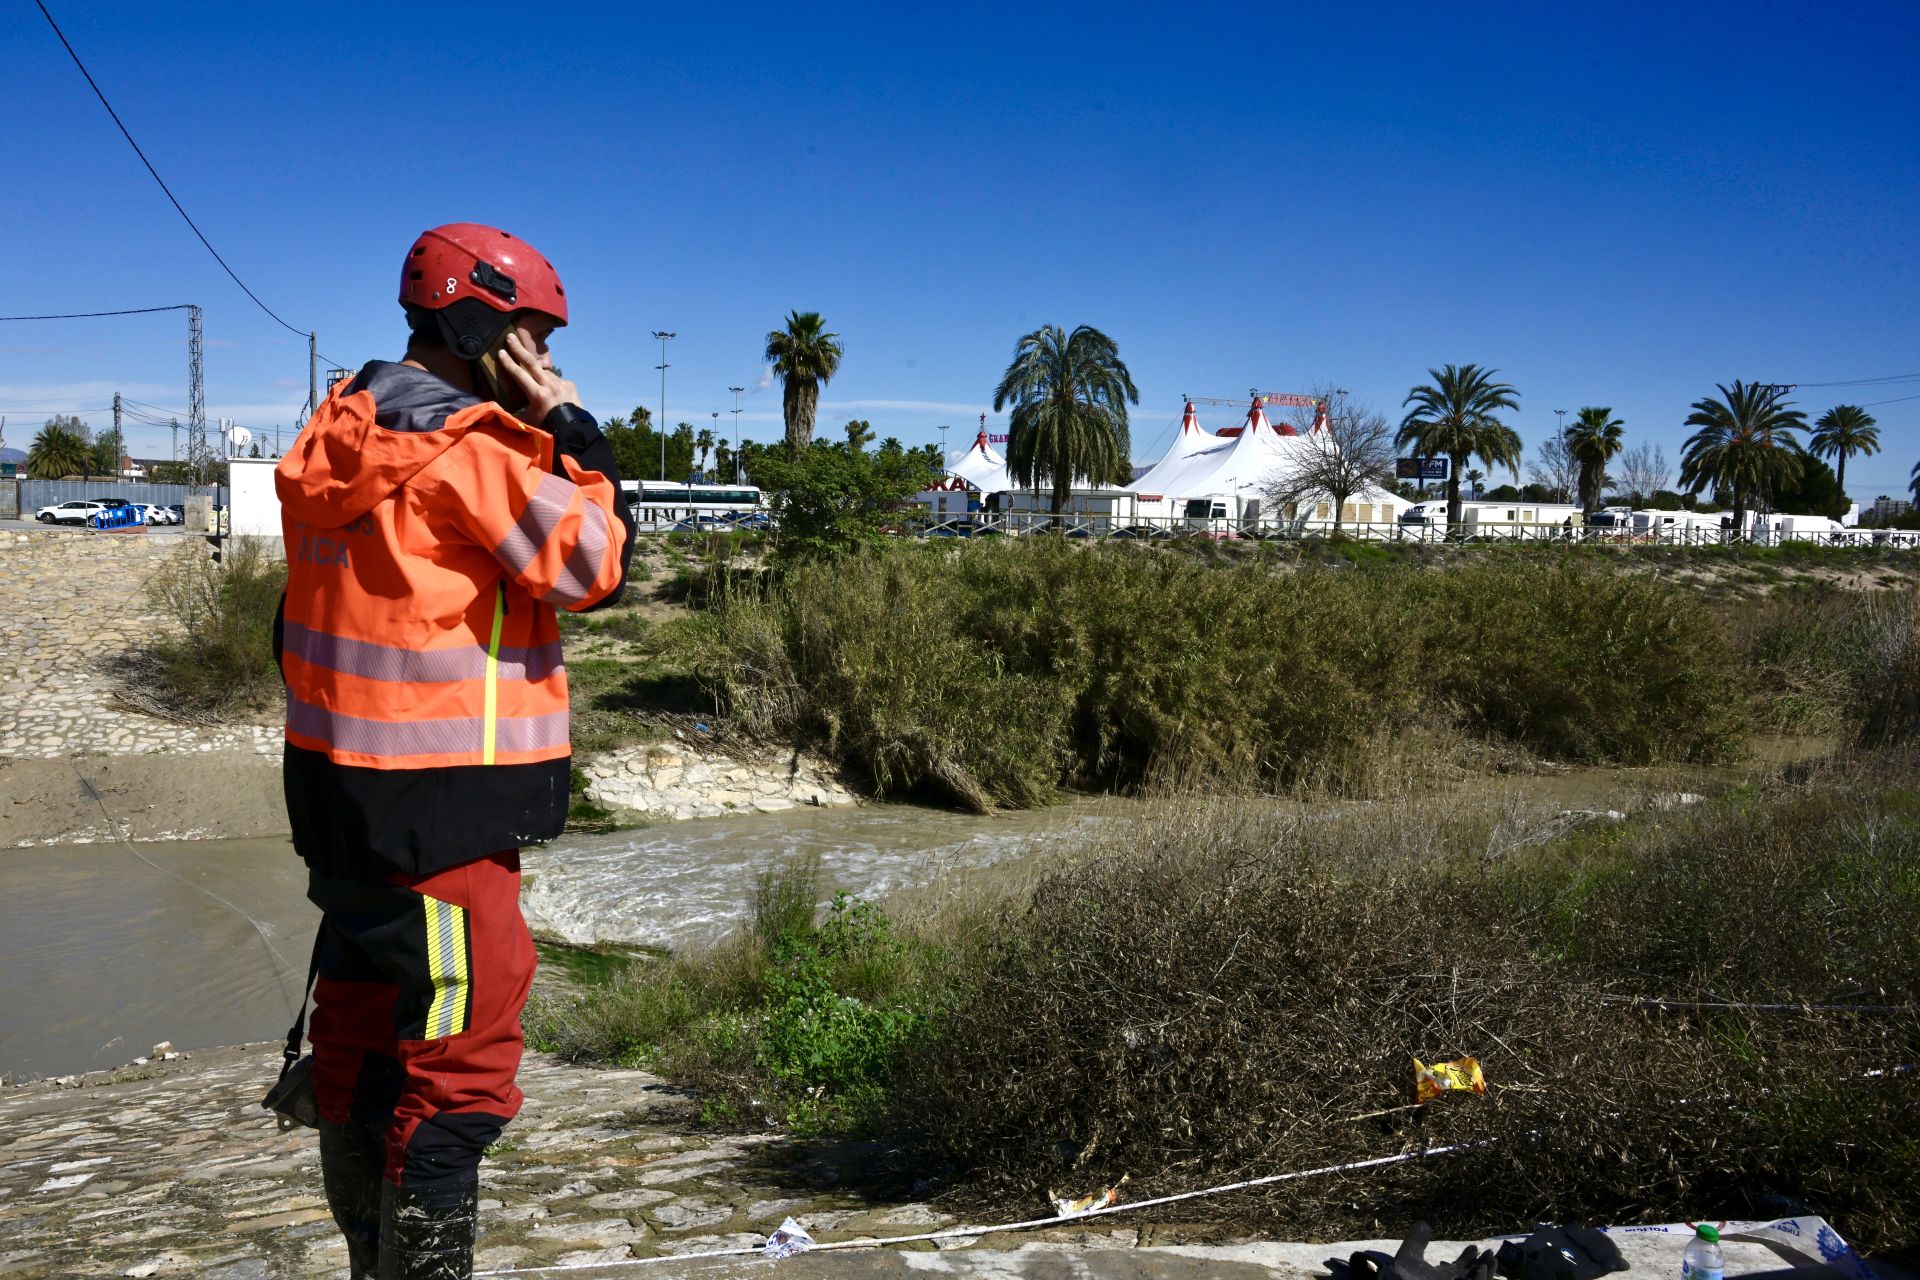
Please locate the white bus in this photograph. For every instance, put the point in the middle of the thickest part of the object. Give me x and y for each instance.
(661, 505)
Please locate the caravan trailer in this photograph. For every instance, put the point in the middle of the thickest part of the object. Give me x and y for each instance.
(1493, 520)
(1691, 528)
(1096, 511)
(1518, 520)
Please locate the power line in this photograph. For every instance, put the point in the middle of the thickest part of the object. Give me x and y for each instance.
(156, 174)
(1896, 400)
(1863, 382)
(88, 315)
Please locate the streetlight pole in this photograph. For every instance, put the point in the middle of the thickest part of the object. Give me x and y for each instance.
(736, 432)
(943, 446)
(716, 429)
(664, 337)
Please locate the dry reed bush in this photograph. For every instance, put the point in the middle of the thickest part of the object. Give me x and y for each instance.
(1234, 993)
(1891, 686)
(998, 674)
(1809, 651)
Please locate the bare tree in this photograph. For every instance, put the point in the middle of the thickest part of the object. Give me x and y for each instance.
(1554, 466)
(1643, 471)
(1356, 454)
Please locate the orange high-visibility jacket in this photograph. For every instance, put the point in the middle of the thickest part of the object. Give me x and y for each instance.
(430, 537)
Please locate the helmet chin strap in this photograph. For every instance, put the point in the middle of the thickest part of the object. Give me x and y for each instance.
(483, 361)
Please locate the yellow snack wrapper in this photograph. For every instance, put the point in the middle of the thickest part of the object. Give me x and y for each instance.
(1429, 1082)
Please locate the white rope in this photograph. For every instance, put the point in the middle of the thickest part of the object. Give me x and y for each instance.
(951, 1233)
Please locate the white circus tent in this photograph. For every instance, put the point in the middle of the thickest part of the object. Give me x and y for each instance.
(1192, 439)
(1238, 467)
(982, 467)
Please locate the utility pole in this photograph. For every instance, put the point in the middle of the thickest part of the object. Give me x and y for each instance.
(313, 371)
(943, 447)
(196, 398)
(175, 454)
(736, 432)
(661, 425)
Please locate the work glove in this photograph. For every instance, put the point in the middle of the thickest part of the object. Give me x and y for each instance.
(1409, 1261)
(1569, 1252)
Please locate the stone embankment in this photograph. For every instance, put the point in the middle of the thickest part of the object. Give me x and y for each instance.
(79, 764)
(70, 600)
(676, 780)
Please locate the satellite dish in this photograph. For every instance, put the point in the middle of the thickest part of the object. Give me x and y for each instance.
(240, 436)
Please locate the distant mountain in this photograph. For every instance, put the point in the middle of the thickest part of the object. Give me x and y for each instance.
(11, 454)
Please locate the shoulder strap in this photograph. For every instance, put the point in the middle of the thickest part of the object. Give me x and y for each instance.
(298, 1032)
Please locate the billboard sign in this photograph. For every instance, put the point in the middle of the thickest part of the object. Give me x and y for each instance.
(1420, 468)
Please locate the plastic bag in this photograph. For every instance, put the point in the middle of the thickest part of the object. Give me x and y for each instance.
(790, 1239)
(1460, 1075)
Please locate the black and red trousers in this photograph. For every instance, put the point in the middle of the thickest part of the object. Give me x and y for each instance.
(416, 1012)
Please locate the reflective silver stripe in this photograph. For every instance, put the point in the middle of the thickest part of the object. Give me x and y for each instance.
(458, 736)
(449, 976)
(417, 666)
(536, 523)
(583, 566)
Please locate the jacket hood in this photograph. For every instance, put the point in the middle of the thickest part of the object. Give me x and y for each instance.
(368, 440)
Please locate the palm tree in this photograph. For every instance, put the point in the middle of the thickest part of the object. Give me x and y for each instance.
(1841, 432)
(1745, 443)
(58, 450)
(1474, 476)
(704, 443)
(1069, 394)
(1454, 417)
(1593, 439)
(805, 355)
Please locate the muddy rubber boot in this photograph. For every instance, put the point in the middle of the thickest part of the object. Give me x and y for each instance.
(428, 1236)
(352, 1159)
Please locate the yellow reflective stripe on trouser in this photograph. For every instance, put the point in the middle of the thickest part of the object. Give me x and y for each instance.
(447, 967)
(490, 732)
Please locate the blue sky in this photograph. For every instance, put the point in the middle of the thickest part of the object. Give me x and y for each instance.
(1617, 205)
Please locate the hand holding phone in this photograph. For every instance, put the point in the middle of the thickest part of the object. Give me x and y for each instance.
(544, 389)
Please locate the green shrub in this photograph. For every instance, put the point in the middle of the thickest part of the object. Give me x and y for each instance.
(996, 674)
(791, 1022)
(217, 659)
(1579, 663)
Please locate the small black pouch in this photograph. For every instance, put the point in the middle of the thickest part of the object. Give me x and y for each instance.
(292, 1099)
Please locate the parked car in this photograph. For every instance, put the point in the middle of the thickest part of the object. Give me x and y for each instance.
(110, 502)
(177, 513)
(161, 513)
(74, 511)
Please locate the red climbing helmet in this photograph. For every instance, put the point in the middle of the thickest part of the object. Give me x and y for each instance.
(474, 278)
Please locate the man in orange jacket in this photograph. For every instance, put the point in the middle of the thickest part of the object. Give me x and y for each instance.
(436, 511)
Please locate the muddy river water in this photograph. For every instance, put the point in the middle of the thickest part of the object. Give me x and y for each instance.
(106, 949)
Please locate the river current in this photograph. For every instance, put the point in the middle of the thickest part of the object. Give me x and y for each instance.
(107, 950)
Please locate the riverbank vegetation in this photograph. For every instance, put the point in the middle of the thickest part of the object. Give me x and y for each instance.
(1001, 674)
(1709, 1007)
(211, 658)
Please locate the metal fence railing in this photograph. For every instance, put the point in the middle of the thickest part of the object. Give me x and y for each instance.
(988, 524)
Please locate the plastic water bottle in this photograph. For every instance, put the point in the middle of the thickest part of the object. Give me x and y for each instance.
(1703, 1259)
